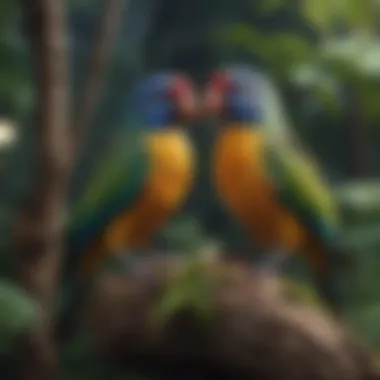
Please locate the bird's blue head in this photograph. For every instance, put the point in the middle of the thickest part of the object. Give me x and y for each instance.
(164, 99)
(234, 94)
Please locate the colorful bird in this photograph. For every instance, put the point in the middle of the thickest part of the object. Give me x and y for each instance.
(142, 181)
(274, 189)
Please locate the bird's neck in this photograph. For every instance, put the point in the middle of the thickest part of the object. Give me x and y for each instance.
(242, 125)
(165, 131)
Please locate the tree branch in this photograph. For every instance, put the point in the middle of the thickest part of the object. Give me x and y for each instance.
(39, 229)
(101, 51)
(256, 331)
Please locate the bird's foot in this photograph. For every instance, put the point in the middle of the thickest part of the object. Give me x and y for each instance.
(124, 261)
(271, 261)
(136, 264)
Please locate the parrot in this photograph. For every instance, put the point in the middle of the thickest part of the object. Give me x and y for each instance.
(141, 181)
(274, 189)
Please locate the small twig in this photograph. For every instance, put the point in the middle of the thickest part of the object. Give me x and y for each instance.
(102, 48)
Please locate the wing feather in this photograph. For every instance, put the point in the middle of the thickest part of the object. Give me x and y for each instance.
(301, 188)
(113, 186)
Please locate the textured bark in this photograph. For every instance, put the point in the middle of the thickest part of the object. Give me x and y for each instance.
(256, 332)
(39, 229)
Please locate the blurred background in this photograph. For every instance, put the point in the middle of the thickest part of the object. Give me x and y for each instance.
(323, 59)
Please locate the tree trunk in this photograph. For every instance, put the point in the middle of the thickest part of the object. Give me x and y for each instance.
(39, 229)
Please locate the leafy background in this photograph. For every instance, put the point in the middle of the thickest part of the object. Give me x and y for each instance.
(323, 58)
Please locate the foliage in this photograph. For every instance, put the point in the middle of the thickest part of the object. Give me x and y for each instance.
(279, 53)
(351, 13)
(16, 92)
(190, 289)
(300, 292)
(184, 234)
(18, 314)
(310, 68)
(325, 67)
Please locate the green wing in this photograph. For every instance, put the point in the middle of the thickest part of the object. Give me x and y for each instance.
(301, 188)
(114, 186)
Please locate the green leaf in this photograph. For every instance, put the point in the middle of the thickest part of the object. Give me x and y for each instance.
(356, 14)
(363, 237)
(189, 289)
(280, 52)
(241, 35)
(318, 13)
(355, 55)
(301, 292)
(18, 313)
(271, 6)
(361, 196)
(185, 234)
(366, 323)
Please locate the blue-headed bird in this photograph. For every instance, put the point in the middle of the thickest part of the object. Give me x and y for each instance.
(274, 189)
(142, 181)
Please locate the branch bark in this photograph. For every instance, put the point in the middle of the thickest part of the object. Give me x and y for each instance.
(39, 229)
(256, 332)
(109, 27)
(101, 51)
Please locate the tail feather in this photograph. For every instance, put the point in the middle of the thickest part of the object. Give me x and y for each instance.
(331, 267)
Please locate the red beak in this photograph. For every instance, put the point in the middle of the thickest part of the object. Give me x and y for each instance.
(214, 95)
(184, 94)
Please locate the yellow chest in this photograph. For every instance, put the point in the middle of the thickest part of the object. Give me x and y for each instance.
(242, 183)
(240, 172)
(173, 166)
(167, 187)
